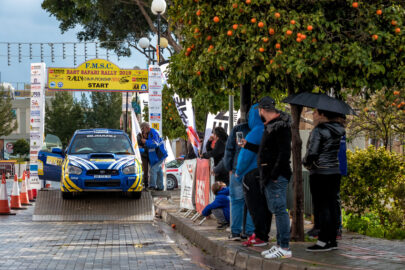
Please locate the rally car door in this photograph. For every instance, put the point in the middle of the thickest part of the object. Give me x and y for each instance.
(50, 159)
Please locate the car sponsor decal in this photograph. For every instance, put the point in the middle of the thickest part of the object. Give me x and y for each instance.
(54, 161)
(102, 160)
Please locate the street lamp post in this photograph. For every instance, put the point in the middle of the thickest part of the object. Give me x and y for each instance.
(158, 8)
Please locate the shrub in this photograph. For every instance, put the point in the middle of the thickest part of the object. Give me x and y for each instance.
(374, 192)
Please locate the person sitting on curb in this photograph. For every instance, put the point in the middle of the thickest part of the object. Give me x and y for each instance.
(220, 206)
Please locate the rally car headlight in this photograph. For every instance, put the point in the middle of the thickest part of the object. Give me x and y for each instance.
(129, 169)
(74, 170)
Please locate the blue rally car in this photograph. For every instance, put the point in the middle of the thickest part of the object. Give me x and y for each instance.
(95, 160)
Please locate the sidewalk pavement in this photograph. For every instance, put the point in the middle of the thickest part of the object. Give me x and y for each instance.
(355, 251)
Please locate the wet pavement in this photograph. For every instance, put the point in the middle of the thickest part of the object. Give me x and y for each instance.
(25, 244)
(355, 251)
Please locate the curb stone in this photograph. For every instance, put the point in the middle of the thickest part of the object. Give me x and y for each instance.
(241, 260)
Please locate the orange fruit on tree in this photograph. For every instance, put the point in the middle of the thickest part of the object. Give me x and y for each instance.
(396, 93)
(187, 54)
(279, 52)
(271, 31)
(229, 33)
(261, 49)
(375, 37)
(235, 5)
(192, 46)
(188, 50)
(198, 73)
(309, 28)
(292, 21)
(211, 46)
(271, 61)
(289, 32)
(171, 119)
(355, 4)
(260, 24)
(277, 46)
(209, 38)
(196, 30)
(314, 40)
(303, 36)
(248, 2)
(393, 22)
(265, 39)
(299, 34)
(221, 68)
(397, 30)
(198, 13)
(277, 15)
(299, 39)
(253, 20)
(216, 19)
(379, 12)
(235, 26)
(393, 104)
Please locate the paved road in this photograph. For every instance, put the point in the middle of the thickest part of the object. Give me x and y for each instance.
(25, 244)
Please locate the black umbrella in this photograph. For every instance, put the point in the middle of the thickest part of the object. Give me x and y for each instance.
(321, 102)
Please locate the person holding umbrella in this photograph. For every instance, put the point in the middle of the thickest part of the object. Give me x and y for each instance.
(321, 160)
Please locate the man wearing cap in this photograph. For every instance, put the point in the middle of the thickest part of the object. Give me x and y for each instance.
(275, 171)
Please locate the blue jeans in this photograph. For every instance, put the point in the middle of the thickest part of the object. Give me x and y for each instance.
(237, 204)
(156, 174)
(276, 196)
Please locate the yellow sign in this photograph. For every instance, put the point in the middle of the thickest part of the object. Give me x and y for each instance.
(98, 75)
(53, 161)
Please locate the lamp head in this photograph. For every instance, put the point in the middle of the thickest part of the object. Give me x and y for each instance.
(144, 43)
(163, 43)
(158, 6)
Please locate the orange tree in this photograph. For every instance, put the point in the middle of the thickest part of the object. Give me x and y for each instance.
(276, 47)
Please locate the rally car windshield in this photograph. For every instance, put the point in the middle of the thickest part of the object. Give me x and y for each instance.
(101, 143)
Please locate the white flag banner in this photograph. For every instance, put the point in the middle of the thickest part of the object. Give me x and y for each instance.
(221, 119)
(187, 183)
(135, 130)
(170, 154)
(186, 113)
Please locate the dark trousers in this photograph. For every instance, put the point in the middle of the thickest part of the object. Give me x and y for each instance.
(338, 218)
(257, 204)
(324, 190)
(145, 169)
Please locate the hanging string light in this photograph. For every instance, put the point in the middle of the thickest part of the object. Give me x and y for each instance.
(42, 52)
(8, 54)
(96, 49)
(52, 53)
(85, 51)
(30, 51)
(63, 51)
(74, 54)
(19, 52)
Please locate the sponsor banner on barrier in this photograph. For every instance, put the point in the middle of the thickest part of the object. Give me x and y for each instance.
(155, 98)
(220, 119)
(98, 75)
(202, 185)
(187, 183)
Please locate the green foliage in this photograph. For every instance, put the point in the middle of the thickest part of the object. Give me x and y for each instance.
(375, 185)
(381, 116)
(339, 52)
(105, 110)
(172, 125)
(21, 147)
(369, 224)
(8, 121)
(63, 116)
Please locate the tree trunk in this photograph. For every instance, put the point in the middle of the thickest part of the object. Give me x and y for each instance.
(245, 101)
(297, 228)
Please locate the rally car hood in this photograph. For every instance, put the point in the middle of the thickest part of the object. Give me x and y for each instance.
(101, 161)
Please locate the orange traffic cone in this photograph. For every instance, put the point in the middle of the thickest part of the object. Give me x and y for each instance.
(30, 192)
(15, 201)
(4, 207)
(24, 192)
(34, 190)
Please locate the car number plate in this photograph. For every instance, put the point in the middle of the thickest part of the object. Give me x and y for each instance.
(102, 176)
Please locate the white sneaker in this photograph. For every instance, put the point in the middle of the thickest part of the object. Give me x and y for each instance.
(279, 253)
(271, 250)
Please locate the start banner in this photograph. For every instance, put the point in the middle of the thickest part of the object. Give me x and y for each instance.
(202, 192)
(98, 75)
(187, 183)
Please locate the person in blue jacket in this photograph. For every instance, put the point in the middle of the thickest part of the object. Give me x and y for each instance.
(157, 154)
(246, 169)
(220, 206)
(230, 161)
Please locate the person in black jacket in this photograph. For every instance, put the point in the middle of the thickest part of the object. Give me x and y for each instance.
(217, 152)
(322, 162)
(274, 166)
(145, 160)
